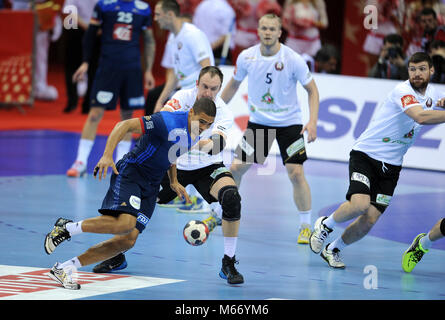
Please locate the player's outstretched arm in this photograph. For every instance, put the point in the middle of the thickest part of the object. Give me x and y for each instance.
(117, 134)
(422, 116)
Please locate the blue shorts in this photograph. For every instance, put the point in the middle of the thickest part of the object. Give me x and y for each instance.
(109, 85)
(130, 193)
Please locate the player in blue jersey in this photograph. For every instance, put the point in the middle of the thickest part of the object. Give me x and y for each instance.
(119, 74)
(135, 182)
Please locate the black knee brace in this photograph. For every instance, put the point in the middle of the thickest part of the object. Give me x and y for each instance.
(442, 227)
(230, 201)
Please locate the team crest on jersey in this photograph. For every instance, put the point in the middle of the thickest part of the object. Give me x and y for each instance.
(174, 104)
(429, 103)
(409, 134)
(279, 66)
(267, 98)
(408, 100)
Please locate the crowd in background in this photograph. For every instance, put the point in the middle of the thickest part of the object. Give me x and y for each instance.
(404, 27)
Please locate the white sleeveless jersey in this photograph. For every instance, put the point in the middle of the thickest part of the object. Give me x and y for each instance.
(183, 100)
(391, 131)
(185, 51)
(272, 85)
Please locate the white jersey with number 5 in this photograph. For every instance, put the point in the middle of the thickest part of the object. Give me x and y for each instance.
(183, 100)
(272, 85)
(391, 131)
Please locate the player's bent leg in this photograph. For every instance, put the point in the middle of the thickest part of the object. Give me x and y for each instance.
(238, 169)
(121, 224)
(111, 252)
(90, 126)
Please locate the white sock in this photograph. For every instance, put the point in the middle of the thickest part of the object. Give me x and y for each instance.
(305, 217)
(74, 227)
(426, 242)
(337, 243)
(122, 149)
(72, 262)
(84, 150)
(330, 222)
(230, 246)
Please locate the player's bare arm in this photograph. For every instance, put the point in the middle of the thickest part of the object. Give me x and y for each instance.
(117, 134)
(175, 185)
(230, 90)
(149, 53)
(422, 116)
(170, 85)
(314, 101)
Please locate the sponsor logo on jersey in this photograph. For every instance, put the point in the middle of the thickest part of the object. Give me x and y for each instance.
(140, 5)
(122, 32)
(383, 199)
(174, 104)
(295, 147)
(409, 134)
(267, 98)
(135, 202)
(142, 218)
(409, 99)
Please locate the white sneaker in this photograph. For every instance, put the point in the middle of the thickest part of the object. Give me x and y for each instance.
(319, 235)
(48, 93)
(333, 258)
(64, 277)
(78, 169)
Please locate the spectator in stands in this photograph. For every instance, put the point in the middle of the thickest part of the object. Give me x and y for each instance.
(327, 59)
(302, 19)
(391, 63)
(431, 28)
(216, 18)
(437, 48)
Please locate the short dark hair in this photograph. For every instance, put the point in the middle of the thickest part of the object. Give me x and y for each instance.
(326, 52)
(214, 71)
(420, 57)
(205, 105)
(394, 38)
(171, 5)
(428, 11)
(436, 44)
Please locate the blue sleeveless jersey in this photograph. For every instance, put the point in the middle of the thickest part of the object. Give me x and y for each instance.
(165, 137)
(122, 23)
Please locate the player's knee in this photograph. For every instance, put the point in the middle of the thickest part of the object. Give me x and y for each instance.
(125, 224)
(95, 115)
(296, 176)
(230, 201)
(360, 206)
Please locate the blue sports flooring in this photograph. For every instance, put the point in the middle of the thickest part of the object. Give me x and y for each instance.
(34, 192)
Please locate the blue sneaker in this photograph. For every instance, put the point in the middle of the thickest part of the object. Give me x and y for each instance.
(175, 203)
(195, 207)
(113, 264)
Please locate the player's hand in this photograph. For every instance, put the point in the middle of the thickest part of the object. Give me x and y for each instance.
(149, 80)
(79, 75)
(180, 191)
(102, 166)
(441, 103)
(311, 128)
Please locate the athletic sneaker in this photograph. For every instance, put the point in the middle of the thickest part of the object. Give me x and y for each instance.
(175, 203)
(64, 277)
(413, 254)
(215, 215)
(113, 264)
(211, 222)
(195, 207)
(305, 233)
(333, 258)
(229, 272)
(78, 169)
(57, 235)
(319, 235)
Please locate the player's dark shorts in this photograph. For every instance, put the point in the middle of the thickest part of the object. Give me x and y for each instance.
(130, 193)
(109, 85)
(369, 176)
(202, 179)
(257, 141)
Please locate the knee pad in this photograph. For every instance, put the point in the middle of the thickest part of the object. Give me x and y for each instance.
(442, 227)
(230, 201)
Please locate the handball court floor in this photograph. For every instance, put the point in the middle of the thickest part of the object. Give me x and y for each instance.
(36, 149)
